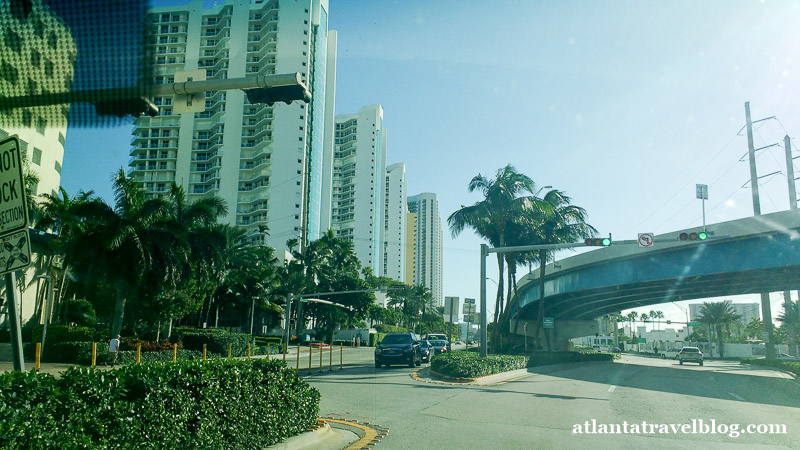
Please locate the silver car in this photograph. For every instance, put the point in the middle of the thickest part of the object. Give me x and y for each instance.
(690, 354)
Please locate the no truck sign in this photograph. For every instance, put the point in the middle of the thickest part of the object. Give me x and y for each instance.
(13, 211)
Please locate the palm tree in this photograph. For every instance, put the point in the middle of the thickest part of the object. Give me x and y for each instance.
(126, 242)
(553, 220)
(790, 318)
(491, 218)
(718, 315)
(631, 317)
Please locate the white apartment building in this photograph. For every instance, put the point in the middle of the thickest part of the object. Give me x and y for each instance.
(357, 190)
(394, 223)
(428, 258)
(38, 56)
(266, 162)
(746, 311)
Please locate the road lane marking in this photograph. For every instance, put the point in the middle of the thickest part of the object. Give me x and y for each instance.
(736, 396)
(612, 388)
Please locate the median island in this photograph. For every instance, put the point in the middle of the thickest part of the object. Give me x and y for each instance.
(469, 365)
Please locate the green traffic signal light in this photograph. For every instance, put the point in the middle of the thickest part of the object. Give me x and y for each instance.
(597, 242)
(702, 235)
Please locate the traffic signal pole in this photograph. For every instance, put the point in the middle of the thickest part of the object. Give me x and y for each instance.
(181, 88)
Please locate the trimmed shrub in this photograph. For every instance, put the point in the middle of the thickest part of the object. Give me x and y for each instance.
(470, 365)
(376, 338)
(384, 328)
(789, 366)
(191, 404)
(81, 312)
(217, 342)
(63, 333)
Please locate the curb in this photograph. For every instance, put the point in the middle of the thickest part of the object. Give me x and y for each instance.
(450, 381)
(372, 434)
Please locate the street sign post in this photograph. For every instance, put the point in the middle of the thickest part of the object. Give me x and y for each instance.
(646, 239)
(693, 324)
(548, 322)
(14, 240)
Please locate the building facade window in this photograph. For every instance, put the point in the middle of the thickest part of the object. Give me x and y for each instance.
(37, 156)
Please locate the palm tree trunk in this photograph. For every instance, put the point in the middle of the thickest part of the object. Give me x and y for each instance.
(498, 302)
(119, 307)
(158, 331)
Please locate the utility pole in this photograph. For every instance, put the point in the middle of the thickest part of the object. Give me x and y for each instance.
(787, 146)
(766, 310)
(752, 156)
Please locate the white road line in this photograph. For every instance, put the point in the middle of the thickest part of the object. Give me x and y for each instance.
(736, 396)
(612, 388)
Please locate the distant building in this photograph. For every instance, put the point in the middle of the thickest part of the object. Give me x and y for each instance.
(411, 248)
(428, 243)
(266, 162)
(394, 223)
(359, 182)
(746, 311)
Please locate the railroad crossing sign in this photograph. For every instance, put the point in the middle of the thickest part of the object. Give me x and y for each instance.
(646, 239)
(547, 322)
(15, 245)
(13, 210)
(15, 251)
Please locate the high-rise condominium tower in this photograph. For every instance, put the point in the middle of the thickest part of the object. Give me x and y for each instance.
(359, 170)
(428, 270)
(266, 162)
(394, 223)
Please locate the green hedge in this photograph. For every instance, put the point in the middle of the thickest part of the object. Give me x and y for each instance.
(376, 338)
(66, 333)
(384, 328)
(470, 365)
(217, 342)
(789, 366)
(191, 404)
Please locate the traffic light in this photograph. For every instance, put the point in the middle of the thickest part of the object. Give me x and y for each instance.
(701, 236)
(272, 95)
(134, 106)
(598, 242)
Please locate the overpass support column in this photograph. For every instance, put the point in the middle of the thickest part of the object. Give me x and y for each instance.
(766, 312)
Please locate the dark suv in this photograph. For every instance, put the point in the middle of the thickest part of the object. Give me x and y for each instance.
(398, 348)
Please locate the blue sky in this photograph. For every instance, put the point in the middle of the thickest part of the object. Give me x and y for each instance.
(624, 105)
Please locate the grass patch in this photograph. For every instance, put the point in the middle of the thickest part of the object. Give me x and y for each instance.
(789, 366)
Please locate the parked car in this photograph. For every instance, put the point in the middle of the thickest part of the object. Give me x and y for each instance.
(426, 350)
(785, 357)
(398, 348)
(671, 353)
(616, 350)
(690, 354)
(459, 342)
(440, 346)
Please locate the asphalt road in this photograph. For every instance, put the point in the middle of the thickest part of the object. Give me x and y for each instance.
(542, 410)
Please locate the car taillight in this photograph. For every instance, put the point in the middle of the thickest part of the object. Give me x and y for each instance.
(700, 353)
